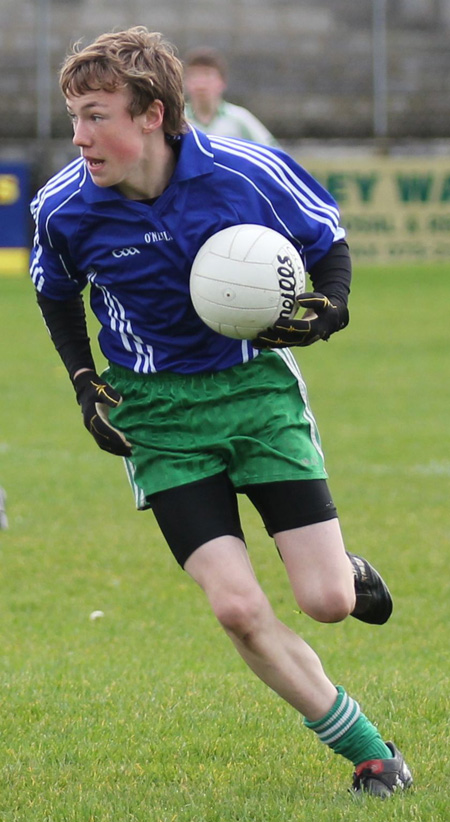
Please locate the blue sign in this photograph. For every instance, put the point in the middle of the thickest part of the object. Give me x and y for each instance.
(14, 217)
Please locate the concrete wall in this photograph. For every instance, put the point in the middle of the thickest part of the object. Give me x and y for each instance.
(305, 67)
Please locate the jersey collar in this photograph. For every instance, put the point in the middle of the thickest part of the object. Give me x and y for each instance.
(195, 159)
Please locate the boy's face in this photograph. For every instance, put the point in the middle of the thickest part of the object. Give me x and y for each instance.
(110, 140)
(204, 84)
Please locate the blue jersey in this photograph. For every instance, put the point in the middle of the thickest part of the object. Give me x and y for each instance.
(137, 256)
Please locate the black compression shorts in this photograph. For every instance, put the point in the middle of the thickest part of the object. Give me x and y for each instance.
(192, 514)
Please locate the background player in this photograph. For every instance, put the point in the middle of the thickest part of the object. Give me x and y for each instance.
(205, 81)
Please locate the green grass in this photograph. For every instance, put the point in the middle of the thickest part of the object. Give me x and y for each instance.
(148, 715)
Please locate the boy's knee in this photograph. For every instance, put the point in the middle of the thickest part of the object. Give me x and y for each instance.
(242, 614)
(328, 605)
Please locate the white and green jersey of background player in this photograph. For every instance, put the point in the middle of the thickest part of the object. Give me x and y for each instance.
(233, 121)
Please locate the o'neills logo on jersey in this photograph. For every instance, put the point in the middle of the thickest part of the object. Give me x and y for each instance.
(287, 282)
(157, 237)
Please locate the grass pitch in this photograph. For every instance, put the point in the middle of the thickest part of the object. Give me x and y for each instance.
(147, 714)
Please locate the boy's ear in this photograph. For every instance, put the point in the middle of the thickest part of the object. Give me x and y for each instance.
(153, 117)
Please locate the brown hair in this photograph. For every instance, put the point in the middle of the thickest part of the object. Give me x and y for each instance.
(207, 56)
(137, 59)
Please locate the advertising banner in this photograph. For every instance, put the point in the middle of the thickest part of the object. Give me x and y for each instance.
(394, 209)
(14, 218)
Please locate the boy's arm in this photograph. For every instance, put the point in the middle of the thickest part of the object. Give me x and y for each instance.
(66, 324)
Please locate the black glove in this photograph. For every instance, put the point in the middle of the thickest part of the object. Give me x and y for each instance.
(95, 397)
(327, 318)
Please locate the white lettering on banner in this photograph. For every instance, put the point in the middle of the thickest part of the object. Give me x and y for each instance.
(392, 208)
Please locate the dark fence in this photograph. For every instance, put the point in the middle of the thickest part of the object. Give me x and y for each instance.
(316, 69)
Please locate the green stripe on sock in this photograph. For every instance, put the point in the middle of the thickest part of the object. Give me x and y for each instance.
(348, 732)
(361, 742)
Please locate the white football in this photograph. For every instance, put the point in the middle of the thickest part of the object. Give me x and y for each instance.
(243, 278)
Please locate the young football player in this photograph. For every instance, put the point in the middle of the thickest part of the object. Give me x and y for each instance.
(201, 417)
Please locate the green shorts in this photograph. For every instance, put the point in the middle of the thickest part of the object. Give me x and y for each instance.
(252, 420)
